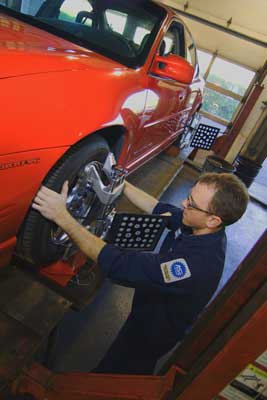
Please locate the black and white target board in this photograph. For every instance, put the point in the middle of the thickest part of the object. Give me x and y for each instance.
(136, 232)
(204, 137)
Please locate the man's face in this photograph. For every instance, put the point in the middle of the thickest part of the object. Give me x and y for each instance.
(196, 204)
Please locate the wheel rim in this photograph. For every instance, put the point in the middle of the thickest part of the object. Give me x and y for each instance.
(80, 201)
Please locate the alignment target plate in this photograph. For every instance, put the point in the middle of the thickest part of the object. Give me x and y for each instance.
(136, 232)
(204, 137)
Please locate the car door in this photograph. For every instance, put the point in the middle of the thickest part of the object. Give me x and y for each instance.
(166, 98)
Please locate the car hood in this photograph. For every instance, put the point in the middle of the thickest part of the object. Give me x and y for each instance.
(26, 50)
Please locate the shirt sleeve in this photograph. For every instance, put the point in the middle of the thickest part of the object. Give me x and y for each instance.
(175, 221)
(165, 273)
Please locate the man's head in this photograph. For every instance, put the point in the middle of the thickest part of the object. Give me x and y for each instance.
(216, 200)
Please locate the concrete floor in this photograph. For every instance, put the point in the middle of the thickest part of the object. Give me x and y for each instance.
(84, 337)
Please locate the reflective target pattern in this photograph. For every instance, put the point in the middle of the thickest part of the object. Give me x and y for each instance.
(136, 232)
(204, 137)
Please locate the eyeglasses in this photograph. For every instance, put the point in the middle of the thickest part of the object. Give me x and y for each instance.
(192, 204)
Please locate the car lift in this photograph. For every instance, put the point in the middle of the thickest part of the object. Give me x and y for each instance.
(230, 334)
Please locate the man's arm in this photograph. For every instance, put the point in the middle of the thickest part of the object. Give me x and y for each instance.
(139, 198)
(52, 205)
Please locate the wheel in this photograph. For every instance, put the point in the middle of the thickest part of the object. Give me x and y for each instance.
(41, 241)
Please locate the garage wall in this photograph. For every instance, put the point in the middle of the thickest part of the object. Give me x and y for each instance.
(227, 46)
(242, 16)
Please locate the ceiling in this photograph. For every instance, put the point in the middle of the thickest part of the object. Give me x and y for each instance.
(243, 16)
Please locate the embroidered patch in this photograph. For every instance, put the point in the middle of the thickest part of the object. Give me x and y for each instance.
(175, 270)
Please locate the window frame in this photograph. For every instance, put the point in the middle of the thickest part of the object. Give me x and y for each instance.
(223, 91)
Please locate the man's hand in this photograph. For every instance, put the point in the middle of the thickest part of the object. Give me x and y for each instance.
(50, 204)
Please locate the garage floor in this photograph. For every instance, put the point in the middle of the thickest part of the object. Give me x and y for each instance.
(83, 337)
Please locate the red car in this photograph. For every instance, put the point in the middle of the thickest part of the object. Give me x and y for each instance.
(81, 78)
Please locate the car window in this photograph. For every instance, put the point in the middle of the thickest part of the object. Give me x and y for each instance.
(173, 41)
(116, 20)
(70, 11)
(122, 30)
(133, 27)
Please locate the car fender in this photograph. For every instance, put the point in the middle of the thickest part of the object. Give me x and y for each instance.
(21, 175)
(59, 109)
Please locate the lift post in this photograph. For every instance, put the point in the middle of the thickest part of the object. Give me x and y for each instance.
(43, 384)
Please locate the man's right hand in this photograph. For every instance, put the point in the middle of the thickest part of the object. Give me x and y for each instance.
(52, 205)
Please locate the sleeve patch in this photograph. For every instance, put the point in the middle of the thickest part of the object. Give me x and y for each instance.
(175, 270)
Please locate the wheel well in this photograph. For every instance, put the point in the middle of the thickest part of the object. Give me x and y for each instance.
(114, 135)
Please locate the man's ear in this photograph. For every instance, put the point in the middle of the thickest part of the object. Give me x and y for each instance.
(213, 221)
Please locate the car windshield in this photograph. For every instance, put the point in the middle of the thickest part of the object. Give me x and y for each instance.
(120, 29)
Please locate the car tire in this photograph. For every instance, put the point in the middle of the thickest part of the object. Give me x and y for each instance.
(35, 241)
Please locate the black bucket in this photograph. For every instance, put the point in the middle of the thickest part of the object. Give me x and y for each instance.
(217, 164)
(246, 169)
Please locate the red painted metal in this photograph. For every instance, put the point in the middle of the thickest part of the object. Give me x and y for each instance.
(246, 345)
(62, 271)
(43, 384)
(174, 68)
(223, 144)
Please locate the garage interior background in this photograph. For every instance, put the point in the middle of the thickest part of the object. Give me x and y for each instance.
(232, 40)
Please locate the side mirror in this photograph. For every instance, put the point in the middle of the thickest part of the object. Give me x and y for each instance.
(174, 67)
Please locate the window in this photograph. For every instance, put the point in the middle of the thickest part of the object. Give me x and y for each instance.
(226, 85)
(204, 60)
(117, 29)
(135, 27)
(70, 9)
(219, 105)
(172, 41)
(230, 76)
(116, 20)
(139, 35)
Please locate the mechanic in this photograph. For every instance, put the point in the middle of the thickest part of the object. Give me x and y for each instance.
(172, 287)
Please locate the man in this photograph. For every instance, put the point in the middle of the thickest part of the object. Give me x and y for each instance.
(172, 287)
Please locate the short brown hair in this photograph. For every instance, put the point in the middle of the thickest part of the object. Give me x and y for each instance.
(231, 197)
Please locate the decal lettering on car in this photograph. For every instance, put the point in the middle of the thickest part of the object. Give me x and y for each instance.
(20, 163)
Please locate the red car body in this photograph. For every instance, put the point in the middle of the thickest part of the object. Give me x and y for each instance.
(54, 93)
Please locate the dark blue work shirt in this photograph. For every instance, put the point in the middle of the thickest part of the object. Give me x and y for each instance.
(172, 287)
